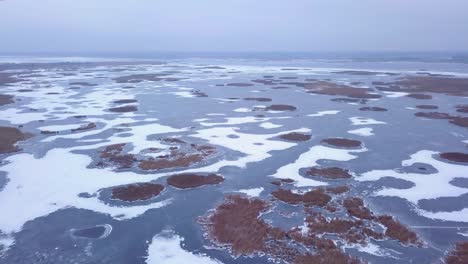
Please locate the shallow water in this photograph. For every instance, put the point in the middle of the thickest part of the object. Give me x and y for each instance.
(55, 184)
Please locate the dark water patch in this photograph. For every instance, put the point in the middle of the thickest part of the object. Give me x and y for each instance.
(418, 167)
(9, 136)
(427, 107)
(288, 78)
(296, 137)
(189, 180)
(328, 256)
(125, 101)
(239, 84)
(82, 84)
(373, 109)
(342, 142)
(258, 99)
(97, 232)
(395, 183)
(419, 96)
(25, 90)
(444, 204)
(349, 100)
(48, 132)
(124, 109)
(198, 93)
(137, 192)
(213, 68)
(460, 182)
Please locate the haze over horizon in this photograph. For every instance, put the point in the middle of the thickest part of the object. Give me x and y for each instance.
(87, 26)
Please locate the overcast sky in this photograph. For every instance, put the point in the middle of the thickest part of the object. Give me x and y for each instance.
(232, 25)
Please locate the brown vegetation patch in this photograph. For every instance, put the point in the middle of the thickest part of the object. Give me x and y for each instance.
(455, 156)
(355, 207)
(124, 109)
(343, 142)
(374, 109)
(189, 180)
(294, 136)
(9, 136)
(462, 108)
(329, 173)
(316, 197)
(329, 88)
(177, 158)
(287, 196)
(136, 78)
(456, 120)
(137, 192)
(287, 180)
(8, 78)
(112, 156)
(236, 223)
(280, 107)
(459, 255)
(84, 128)
(398, 231)
(428, 84)
(6, 99)
(338, 189)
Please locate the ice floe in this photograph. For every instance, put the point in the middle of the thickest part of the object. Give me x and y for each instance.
(426, 186)
(166, 248)
(362, 121)
(309, 159)
(323, 113)
(364, 132)
(53, 182)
